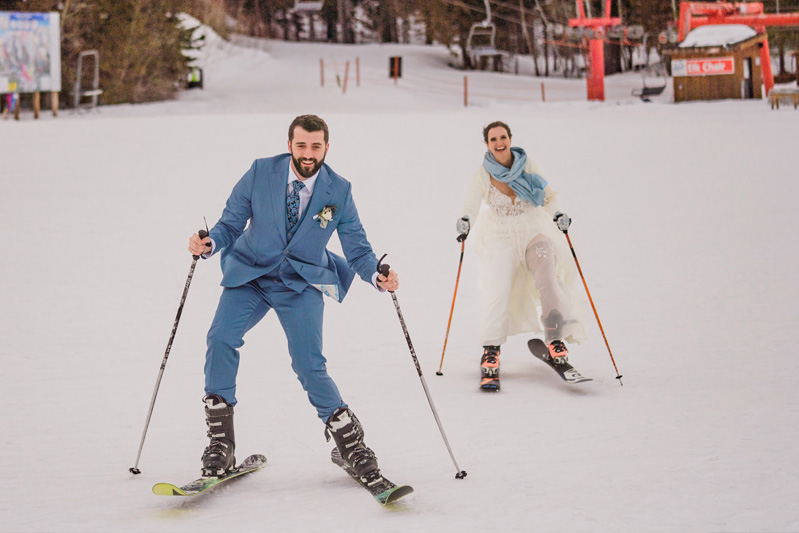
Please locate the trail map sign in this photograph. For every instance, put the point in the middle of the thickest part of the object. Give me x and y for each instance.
(30, 52)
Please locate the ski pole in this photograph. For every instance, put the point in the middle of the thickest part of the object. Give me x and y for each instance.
(135, 470)
(384, 270)
(580, 270)
(452, 309)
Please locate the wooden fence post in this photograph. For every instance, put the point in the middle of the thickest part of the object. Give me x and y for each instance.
(465, 91)
(322, 71)
(346, 76)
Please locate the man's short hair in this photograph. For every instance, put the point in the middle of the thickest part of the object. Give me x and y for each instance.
(495, 124)
(309, 123)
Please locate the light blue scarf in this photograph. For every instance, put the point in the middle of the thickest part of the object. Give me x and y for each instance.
(528, 187)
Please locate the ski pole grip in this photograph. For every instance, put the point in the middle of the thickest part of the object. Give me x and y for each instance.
(381, 268)
(202, 234)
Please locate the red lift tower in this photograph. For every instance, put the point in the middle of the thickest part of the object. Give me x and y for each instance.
(695, 14)
(596, 47)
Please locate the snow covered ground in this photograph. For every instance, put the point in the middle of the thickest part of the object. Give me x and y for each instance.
(684, 219)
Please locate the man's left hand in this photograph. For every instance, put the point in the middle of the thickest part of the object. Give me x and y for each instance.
(390, 283)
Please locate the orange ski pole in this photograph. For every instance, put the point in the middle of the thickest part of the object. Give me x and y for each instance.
(457, 280)
(580, 270)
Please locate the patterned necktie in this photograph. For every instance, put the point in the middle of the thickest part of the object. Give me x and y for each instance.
(293, 203)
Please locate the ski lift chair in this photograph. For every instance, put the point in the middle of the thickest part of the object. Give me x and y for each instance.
(482, 39)
(300, 5)
(658, 72)
(481, 43)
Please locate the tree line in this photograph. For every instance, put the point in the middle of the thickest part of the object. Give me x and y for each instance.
(141, 43)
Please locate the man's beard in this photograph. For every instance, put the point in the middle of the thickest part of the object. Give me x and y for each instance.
(302, 171)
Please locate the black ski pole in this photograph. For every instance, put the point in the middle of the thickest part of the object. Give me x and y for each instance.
(384, 270)
(135, 470)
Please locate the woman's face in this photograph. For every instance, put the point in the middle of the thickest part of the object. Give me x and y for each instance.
(499, 145)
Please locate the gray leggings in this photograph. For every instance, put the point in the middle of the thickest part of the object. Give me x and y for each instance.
(540, 259)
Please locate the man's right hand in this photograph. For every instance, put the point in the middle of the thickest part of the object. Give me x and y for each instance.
(199, 246)
(462, 226)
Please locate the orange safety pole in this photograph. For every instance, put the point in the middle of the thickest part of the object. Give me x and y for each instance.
(457, 280)
(465, 91)
(580, 270)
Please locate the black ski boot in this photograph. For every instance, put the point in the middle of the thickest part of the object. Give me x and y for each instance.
(489, 369)
(553, 325)
(218, 457)
(347, 433)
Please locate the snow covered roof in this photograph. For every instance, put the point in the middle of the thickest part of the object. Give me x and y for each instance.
(717, 35)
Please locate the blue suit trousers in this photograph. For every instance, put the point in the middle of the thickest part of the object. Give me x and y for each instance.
(300, 314)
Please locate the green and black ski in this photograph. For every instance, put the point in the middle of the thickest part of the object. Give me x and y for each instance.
(250, 464)
(383, 490)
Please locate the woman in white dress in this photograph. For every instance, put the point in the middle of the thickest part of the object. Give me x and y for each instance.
(524, 257)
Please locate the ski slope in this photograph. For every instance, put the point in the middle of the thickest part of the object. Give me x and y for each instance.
(683, 224)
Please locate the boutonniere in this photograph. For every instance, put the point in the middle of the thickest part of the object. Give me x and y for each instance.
(325, 215)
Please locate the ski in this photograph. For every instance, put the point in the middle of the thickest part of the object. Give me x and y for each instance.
(250, 464)
(489, 384)
(383, 490)
(564, 370)
(489, 371)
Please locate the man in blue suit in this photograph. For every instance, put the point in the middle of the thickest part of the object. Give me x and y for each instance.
(293, 203)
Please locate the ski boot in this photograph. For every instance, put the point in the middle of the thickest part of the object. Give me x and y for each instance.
(553, 325)
(218, 457)
(347, 433)
(558, 352)
(489, 369)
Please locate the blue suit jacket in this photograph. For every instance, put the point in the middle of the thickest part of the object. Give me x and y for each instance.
(260, 198)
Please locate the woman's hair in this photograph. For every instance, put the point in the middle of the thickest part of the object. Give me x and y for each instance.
(495, 124)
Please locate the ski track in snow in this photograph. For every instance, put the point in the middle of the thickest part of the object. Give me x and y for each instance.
(683, 225)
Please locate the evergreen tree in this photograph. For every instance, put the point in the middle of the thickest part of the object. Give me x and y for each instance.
(139, 42)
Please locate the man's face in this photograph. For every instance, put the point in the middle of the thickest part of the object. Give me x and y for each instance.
(499, 144)
(308, 150)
